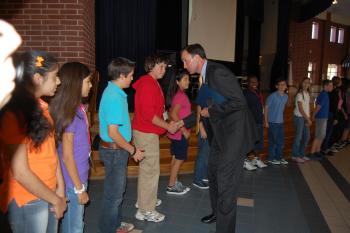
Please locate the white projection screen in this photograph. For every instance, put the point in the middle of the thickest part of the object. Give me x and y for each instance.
(212, 23)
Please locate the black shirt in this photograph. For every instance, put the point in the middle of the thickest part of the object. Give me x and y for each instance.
(255, 105)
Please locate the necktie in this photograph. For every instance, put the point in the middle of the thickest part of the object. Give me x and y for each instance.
(200, 82)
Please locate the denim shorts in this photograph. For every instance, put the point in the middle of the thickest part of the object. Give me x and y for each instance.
(178, 148)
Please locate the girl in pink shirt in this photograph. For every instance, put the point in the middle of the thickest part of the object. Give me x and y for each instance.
(180, 108)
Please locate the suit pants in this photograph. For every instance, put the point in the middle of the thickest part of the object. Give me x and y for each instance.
(224, 174)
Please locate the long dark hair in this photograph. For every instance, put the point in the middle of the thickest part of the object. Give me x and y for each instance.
(300, 90)
(64, 104)
(173, 87)
(23, 102)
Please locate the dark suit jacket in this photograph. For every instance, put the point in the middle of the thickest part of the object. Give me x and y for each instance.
(232, 122)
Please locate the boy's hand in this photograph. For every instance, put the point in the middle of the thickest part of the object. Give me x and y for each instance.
(138, 155)
(172, 127)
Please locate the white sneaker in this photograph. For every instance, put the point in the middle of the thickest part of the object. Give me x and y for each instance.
(158, 203)
(125, 227)
(249, 165)
(333, 149)
(275, 162)
(257, 162)
(283, 161)
(151, 216)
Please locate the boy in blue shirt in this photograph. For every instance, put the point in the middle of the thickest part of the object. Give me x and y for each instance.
(274, 109)
(320, 116)
(115, 145)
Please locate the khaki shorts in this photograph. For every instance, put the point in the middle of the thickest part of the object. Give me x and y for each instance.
(321, 129)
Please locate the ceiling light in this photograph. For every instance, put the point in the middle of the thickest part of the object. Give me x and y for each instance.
(335, 2)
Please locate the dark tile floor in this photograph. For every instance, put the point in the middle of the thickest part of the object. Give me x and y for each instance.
(283, 203)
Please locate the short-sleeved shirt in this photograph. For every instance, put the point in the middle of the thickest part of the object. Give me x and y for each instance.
(255, 104)
(323, 101)
(81, 148)
(276, 104)
(181, 99)
(114, 111)
(304, 98)
(149, 102)
(42, 161)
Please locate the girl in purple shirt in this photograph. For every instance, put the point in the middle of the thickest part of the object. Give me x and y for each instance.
(72, 134)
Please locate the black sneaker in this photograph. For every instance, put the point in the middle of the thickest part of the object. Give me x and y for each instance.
(176, 189)
(200, 185)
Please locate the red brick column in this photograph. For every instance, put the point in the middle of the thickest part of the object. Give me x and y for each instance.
(65, 28)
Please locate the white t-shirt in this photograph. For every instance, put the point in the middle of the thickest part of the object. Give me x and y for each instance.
(305, 99)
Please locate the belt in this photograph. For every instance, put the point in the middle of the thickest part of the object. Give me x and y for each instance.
(109, 145)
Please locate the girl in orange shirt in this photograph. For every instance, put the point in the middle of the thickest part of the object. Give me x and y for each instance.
(33, 188)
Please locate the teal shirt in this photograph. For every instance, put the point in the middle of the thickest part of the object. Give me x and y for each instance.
(114, 111)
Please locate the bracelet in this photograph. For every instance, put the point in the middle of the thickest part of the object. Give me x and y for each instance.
(134, 150)
(80, 191)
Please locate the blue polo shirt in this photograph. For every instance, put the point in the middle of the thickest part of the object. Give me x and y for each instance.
(276, 104)
(114, 111)
(323, 101)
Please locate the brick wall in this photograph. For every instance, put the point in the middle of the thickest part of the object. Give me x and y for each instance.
(303, 49)
(65, 28)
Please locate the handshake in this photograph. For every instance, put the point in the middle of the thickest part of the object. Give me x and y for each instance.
(173, 127)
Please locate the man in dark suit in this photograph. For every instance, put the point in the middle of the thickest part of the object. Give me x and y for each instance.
(234, 135)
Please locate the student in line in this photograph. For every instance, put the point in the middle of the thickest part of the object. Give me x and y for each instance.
(148, 124)
(255, 101)
(115, 145)
(33, 187)
(180, 108)
(302, 122)
(72, 134)
(321, 116)
(274, 111)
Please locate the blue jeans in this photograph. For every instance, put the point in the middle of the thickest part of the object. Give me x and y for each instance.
(276, 140)
(302, 136)
(115, 162)
(201, 166)
(73, 219)
(33, 217)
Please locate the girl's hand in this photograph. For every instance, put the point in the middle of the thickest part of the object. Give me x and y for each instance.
(58, 207)
(266, 124)
(308, 122)
(83, 198)
(203, 134)
(60, 191)
(186, 133)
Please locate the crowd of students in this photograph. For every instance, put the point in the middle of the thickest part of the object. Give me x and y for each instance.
(330, 117)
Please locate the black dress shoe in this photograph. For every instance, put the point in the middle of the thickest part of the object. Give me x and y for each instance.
(209, 219)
